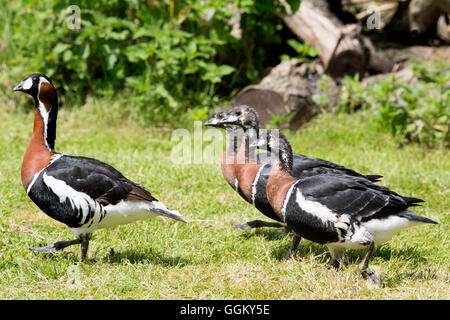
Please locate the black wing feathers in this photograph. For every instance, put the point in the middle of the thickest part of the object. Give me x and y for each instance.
(97, 179)
(354, 196)
(305, 167)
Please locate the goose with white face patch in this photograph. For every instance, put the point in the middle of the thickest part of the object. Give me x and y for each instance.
(340, 211)
(249, 170)
(235, 135)
(83, 193)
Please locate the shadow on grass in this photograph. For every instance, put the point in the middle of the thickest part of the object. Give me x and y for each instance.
(354, 256)
(303, 249)
(149, 256)
(386, 253)
(396, 279)
(267, 233)
(276, 234)
(127, 256)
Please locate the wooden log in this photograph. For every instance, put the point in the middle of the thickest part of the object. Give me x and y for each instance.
(406, 21)
(364, 9)
(443, 28)
(424, 14)
(342, 49)
(287, 89)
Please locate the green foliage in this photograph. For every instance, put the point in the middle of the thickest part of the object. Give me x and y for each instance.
(413, 111)
(304, 51)
(322, 98)
(276, 120)
(352, 95)
(169, 56)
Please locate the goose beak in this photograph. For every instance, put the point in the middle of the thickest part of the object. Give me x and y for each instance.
(213, 122)
(227, 121)
(19, 87)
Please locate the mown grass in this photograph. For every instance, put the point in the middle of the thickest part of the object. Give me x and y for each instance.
(208, 258)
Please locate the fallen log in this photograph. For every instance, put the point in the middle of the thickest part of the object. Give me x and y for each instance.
(424, 14)
(287, 90)
(342, 49)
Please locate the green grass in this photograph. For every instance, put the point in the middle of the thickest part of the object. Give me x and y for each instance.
(208, 258)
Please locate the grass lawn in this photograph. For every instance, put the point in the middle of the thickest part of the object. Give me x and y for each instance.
(208, 258)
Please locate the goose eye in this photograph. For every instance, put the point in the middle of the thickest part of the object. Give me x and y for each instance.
(238, 113)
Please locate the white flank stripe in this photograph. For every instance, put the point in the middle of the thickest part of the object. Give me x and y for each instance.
(315, 208)
(33, 180)
(255, 183)
(78, 200)
(286, 200)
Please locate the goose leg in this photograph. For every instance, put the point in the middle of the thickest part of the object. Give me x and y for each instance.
(256, 224)
(295, 241)
(337, 257)
(84, 247)
(364, 266)
(57, 246)
(83, 240)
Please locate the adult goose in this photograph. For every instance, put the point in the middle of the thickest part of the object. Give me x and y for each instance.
(83, 193)
(339, 211)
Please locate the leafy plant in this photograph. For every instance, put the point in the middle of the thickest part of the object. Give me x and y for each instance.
(169, 56)
(417, 110)
(352, 96)
(304, 51)
(322, 97)
(277, 120)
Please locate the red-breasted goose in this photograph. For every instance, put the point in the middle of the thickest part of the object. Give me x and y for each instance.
(250, 169)
(83, 193)
(234, 139)
(340, 211)
(234, 142)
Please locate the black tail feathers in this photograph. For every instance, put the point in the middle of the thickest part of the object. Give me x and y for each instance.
(412, 202)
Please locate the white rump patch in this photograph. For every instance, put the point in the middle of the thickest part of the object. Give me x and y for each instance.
(383, 230)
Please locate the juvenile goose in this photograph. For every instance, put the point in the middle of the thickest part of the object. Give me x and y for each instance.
(234, 138)
(340, 211)
(234, 141)
(250, 170)
(83, 193)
